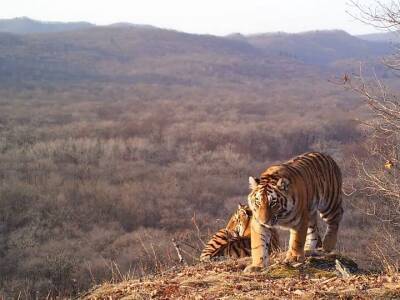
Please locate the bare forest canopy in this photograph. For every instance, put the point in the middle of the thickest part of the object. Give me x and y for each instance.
(113, 138)
(135, 54)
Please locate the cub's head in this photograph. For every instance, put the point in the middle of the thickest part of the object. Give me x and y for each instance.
(268, 199)
(239, 223)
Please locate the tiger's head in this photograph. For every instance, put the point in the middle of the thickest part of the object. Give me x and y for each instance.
(239, 223)
(268, 199)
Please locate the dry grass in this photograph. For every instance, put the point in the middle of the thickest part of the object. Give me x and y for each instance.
(99, 172)
(315, 279)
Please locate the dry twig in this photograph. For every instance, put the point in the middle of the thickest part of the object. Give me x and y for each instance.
(178, 251)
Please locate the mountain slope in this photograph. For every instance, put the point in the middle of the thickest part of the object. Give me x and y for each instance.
(127, 53)
(319, 47)
(135, 53)
(392, 37)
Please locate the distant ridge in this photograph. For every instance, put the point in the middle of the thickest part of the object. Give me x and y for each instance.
(318, 47)
(26, 25)
(393, 37)
(124, 52)
(128, 25)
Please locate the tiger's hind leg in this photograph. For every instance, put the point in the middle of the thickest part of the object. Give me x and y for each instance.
(313, 240)
(332, 217)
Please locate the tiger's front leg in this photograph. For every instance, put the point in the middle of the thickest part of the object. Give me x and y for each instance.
(260, 243)
(296, 243)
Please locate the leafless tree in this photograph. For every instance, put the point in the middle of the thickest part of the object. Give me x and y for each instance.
(378, 169)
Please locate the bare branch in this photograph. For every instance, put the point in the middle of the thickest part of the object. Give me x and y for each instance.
(178, 251)
(197, 229)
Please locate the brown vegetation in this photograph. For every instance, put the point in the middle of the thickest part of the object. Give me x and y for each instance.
(89, 183)
(86, 183)
(111, 140)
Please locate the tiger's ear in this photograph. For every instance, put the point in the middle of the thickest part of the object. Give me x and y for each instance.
(253, 182)
(283, 184)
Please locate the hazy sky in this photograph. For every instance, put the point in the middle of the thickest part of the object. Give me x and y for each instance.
(202, 16)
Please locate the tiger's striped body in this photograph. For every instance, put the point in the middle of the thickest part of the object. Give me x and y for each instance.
(290, 195)
(234, 240)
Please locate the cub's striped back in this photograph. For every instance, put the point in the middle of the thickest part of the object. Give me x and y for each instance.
(223, 243)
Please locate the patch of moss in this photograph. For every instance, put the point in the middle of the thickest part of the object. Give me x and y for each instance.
(314, 266)
(283, 271)
(319, 273)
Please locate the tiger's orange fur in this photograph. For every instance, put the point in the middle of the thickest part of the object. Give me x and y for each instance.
(290, 195)
(234, 240)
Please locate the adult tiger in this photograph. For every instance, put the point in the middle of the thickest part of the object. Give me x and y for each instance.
(290, 195)
(234, 240)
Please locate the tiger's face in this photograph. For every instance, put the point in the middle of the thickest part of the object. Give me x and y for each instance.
(240, 220)
(268, 202)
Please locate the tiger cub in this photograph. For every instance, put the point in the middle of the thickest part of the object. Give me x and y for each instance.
(234, 240)
(225, 243)
(240, 224)
(290, 195)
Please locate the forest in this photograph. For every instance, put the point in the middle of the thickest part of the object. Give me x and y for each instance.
(109, 152)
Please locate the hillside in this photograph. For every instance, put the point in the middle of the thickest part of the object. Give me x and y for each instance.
(114, 140)
(133, 54)
(319, 47)
(391, 37)
(129, 54)
(316, 279)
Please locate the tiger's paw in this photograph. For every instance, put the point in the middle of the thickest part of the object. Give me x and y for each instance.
(253, 269)
(294, 257)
